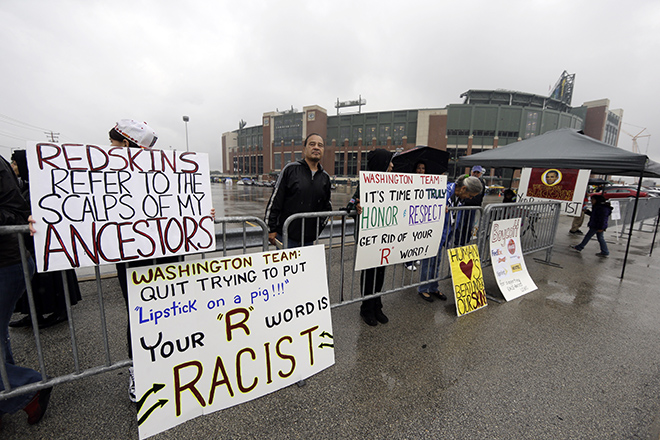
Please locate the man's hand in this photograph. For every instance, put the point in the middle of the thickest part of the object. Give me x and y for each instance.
(31, 222)
(271, 238)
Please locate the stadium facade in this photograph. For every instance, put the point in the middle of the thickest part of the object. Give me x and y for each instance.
(485, 119)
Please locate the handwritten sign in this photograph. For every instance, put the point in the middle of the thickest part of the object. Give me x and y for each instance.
(402, 217)
(210, 334)
(467, 278)
(96, 205)
(507, 259)
(565, 185)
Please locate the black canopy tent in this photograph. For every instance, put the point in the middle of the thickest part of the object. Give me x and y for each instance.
(569, 148)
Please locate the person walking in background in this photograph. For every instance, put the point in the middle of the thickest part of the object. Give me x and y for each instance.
(371, 280)
(600, 213)
(302, 186)
(464, 188)
(14, 210)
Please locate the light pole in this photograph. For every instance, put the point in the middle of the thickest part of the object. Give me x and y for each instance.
(186, 119)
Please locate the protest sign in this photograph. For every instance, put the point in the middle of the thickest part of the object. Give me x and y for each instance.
(402, 217)
(96, 205)
(467, 279)
(616, 210)
(507, 259)
(214, 333)
(565, 185)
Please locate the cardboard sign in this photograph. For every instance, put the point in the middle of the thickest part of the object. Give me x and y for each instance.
(507, 259)
(402, 217)
(467, 279)
(210, 334)
(565, 185)
(616, 209)
(98, 205)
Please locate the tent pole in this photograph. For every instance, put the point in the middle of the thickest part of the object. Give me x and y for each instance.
(632, 222)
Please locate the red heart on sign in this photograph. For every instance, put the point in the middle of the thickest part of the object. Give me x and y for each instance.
(466, 268)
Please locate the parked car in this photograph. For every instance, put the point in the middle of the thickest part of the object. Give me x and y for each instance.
(653, 191)
(619, 192)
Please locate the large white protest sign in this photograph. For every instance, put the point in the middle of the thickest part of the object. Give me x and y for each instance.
(507, 259)
(95, 205)
(402, 217)
(214, 333)
(564, 185)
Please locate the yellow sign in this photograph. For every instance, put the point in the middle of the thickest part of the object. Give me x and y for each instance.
(467, 278)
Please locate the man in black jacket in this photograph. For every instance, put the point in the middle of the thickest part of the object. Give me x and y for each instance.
(303, 186)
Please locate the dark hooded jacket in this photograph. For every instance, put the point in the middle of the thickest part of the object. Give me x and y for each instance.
(14, 210)
(377, 160)
(600, 213)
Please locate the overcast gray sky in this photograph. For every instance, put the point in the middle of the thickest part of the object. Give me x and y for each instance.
(76, 67)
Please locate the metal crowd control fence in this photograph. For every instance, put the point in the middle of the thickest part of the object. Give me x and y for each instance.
(253, 233)
(647, 208)
(538, 227)
(470, 225)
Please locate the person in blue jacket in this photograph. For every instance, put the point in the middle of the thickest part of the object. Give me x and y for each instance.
(464, 188)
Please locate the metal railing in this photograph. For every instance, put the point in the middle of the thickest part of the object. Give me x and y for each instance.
(647, 209)
(470, 225)
(253, 233)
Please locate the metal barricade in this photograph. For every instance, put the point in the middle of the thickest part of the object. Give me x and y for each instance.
(254, 233)
(344, 281)
(647, 208)
(539, 222)
(469, 225)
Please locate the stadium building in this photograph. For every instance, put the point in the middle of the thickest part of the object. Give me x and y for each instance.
(485, 119)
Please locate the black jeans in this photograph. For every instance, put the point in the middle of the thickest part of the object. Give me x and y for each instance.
(371, 281)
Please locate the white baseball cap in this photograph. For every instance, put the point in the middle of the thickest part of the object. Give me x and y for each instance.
(138, 132)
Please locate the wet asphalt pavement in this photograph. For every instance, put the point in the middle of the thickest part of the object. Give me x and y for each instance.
(576, 359)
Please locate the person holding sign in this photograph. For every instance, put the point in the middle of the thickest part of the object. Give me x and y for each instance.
(14, 210)
(464, 188)
(133, 134)
(466, 219)
(371, 280)
(419, 168)
(302, 186)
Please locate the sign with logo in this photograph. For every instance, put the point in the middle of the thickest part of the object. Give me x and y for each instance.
(210, 334)
(467, 279)
(507, 259)
(564, 185)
